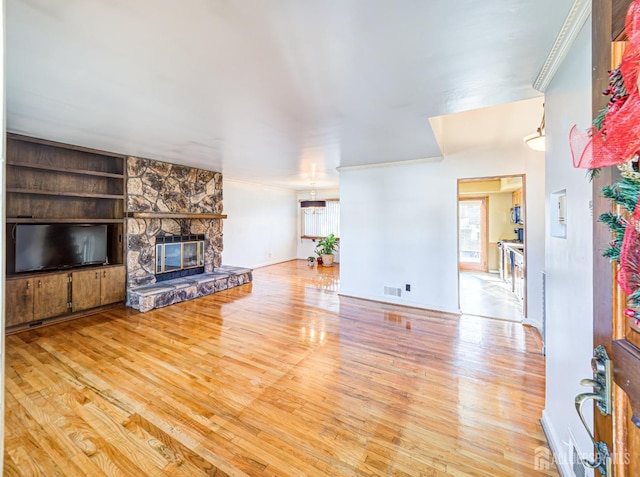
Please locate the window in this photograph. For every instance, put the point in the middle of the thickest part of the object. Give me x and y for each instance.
(323, 222)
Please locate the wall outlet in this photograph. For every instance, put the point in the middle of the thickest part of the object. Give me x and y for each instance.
(407, 287)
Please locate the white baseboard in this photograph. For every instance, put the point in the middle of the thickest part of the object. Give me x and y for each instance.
(558, 448)
(537, 324)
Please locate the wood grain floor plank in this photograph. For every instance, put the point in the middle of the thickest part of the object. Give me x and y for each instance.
(281, 377)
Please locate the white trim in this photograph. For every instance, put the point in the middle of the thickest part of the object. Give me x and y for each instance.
(389, 164)
(556, 446)
(576, 18)
(400, 301)
(537, 324)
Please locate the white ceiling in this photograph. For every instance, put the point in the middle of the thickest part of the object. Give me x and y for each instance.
(273, 91)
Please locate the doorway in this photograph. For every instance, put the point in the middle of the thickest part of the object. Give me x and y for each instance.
(491, 247)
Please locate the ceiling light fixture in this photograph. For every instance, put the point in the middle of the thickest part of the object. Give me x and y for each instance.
(536, 140)
(313, 206)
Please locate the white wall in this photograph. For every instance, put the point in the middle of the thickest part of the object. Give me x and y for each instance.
(261, 225)
(399, 226)
(569, 326)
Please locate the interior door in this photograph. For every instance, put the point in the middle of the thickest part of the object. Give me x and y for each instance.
(616, 333)
(472, 233)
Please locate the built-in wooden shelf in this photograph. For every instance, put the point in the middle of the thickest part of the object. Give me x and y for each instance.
(171, 215)
(85, 172)
(70, 147)
(54, 183)
(66, 193)
(41, 220)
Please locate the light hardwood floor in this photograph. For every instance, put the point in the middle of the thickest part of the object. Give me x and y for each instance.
(278, 377)
(484, 294)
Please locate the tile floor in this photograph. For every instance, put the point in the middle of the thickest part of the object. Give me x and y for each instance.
(484, 294)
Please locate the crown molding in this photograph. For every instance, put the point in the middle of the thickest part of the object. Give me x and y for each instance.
(389, 164)
(576, 18)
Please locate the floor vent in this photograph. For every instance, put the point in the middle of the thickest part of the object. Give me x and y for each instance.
(576, 462)
(392, 291)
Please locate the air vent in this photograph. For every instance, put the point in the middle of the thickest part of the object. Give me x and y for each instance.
(392, 291)
(577, 466)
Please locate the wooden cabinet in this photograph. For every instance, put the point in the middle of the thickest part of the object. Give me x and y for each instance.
(51, 295)
(85, 289)
(97, 287)
(516, 198)
(112, 285)
(18, 301)
(36, 298)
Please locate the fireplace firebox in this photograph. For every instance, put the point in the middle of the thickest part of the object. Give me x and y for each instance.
(179, 256)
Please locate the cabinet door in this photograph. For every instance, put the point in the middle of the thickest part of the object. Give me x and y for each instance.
(85, 289)
(51, 295)
(18, 301)
(113, 285)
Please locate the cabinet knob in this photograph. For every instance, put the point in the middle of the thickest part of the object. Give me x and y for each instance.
(39, 283)
(28, 285)
(96, 275)
(104, 273)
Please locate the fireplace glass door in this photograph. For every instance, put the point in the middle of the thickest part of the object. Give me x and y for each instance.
(190, 256)
(172, 257)
(176, 256)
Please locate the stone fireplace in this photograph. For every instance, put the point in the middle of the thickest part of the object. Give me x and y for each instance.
(168, 193)
(174, 234)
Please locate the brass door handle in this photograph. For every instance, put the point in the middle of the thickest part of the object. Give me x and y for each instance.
(602, 461)
(601, 384)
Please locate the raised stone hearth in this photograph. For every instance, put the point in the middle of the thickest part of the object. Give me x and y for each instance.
(165, 293)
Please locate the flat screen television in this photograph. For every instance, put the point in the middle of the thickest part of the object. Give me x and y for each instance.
(59, 246)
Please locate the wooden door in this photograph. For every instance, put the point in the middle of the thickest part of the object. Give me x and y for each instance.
(85, 289)
(113, 284)
(613, 330)
(51, 295)
(472, 233)
(18, 305)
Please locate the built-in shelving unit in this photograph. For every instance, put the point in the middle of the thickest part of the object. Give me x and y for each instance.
(50, 182)
(54, 183)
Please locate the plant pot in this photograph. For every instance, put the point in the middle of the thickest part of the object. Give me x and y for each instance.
(327, 260)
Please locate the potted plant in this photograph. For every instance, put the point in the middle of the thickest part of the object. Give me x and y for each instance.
(325, 248)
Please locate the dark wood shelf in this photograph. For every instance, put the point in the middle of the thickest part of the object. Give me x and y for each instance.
(41, 220)
(71, 147)
(85, 172)
(89, 195)
(171, 215)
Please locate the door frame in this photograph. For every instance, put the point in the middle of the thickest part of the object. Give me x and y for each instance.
(484, 234)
